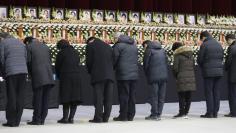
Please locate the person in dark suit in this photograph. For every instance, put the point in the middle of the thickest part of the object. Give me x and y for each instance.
(99, 63)
(68, 72)
(210, 60)
(13, 60)
(40, 70)
(230, 65)
(155, 65)
(125, 57)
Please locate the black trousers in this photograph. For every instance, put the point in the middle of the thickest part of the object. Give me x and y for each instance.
(184, 102)
(103, 95)
(232, 98)
(15, 98)
(126, 92)
(40, 103)
(158, 93)
(212, 94)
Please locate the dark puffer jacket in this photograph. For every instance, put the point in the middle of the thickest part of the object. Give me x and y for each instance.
(125, 54)
(230, 63)
(155, 63)
(184, 69)
(210, 58)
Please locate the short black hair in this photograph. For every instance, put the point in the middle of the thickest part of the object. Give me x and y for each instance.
(176, 45)
(4, 35)
(28, 40)
(204, 34)
(146, 42)
(59, 11)
(90, 39)
(62, 43)
(230, 36)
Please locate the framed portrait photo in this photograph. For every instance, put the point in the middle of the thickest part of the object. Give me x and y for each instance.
(180, 19)
(201, 19)
(146, 17)
(17, 12)
(85, 15)
(45, 13)
(58, 13)
(169, 18)
(3, 12)
(122, 17)
(110, 16)
(98, 15)
(190, 19)
(158, 17)
(134, 17)
(31, 12)
(71, 14)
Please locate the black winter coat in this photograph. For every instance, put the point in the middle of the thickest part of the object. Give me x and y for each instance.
(210, 58)
(39, 64)
(155, 63)
(183, 69)
(125, 54)
(230, 63)
(99, 61)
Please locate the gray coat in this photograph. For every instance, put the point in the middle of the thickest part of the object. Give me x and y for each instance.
(183, 68)
(13, 57)
(155, 63)
(210, 58)
(39, 64)
(126, 58)
(230, 63)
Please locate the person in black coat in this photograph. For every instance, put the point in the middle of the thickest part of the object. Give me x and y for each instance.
(125, 54)
(99, 63)
(155, 65)
(40, 70)
(183, 69)
(210, 60)
(68, 71)
(230, 65)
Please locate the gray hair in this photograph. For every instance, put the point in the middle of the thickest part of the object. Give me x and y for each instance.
(117, 34)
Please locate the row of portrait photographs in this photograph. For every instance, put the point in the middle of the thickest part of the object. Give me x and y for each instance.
(100, 15)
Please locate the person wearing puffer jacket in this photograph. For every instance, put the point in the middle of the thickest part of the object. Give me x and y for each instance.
(155, 65)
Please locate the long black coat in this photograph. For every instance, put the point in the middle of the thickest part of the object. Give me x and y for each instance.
(99, 61)
(126, 58)
(210, 58)
(230, 63)
(155, 63)
(39, 64)
(183, 69)
(68, 71)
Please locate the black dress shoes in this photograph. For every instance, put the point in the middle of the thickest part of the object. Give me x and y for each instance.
(120, 119)
(208, 116)
(34, 123)
(95, 121)
(9, 125)
(230, 115)
(63, 121)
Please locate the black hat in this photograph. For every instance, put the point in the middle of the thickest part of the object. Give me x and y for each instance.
(204, 34)
(230, 36)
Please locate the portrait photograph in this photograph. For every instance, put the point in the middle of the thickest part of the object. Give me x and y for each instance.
(181, 19)
(98, 15)
(201, 19)
(146, 17)
(85, 15)
(72, 14)
(134, 17)
(122, 17)
(3, 12)
(158, 17)
(169, 18)
(17, 12)
(32, 12)
(110, 16)
(45, 13)
(58, 14)
(190, 19)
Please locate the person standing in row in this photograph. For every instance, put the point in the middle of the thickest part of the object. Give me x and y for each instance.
(68, 71)
(230, 65)
(13, 59)
(99, 63)
(41, 73)
(155, 65)
(126, 65)
(210, 60)
(183, 69)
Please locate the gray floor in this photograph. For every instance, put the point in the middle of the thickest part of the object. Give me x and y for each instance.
(139, 125)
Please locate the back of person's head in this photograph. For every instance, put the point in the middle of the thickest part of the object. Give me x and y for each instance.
(204, 34)
(230, 36)
(63, 43)
(90, 40)
(28, 40)
(145, 43)
(116, 36)
(4, 35)
(176, 45)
